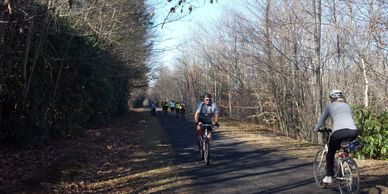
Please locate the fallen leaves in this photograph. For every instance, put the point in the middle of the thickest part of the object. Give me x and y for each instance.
(107, 159)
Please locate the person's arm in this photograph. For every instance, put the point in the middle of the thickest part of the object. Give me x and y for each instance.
(322, 119)
(196, 114)
(216, 115)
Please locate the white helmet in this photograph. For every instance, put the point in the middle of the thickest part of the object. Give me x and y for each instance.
(334, 94)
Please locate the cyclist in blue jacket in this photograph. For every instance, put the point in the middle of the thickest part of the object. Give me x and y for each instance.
(206, 110)
(343, 128)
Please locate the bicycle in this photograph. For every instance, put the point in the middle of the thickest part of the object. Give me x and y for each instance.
(183, 117)
(165, 110)
(346, 172)
(153, 111)
(204, 143)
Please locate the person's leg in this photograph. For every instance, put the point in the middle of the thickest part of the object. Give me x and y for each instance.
(346, 134)
(335, 144)
(211, 136)
(199, 131)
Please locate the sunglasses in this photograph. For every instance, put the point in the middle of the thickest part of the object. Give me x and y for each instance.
(207, 99)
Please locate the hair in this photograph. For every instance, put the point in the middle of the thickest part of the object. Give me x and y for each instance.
(340, 99)
(207, 95)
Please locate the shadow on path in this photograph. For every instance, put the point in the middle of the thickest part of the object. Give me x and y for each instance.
(236, 166)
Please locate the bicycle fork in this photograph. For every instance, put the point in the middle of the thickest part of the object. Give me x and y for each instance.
(322, 159)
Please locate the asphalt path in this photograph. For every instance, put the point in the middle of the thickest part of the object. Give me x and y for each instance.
(236, 166)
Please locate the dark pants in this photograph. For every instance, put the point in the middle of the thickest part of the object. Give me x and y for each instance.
(335, 144)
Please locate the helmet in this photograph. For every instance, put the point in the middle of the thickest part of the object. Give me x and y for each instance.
(207, 95)
(334, 94)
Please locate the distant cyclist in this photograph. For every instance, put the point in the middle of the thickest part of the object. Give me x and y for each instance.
(343, 128)
(177, 108)
(153, 108)
(183, 109)
(172, 106)
(206, 110)
(165, 106)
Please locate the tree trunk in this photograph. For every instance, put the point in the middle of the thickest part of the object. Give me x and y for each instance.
(318, 66)
(366, 82)
(229, 98)
(27, 51)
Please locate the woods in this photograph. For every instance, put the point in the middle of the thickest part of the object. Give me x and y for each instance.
(65, 64)
(274, 62)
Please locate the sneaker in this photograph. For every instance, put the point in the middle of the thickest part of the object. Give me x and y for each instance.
(328, 179)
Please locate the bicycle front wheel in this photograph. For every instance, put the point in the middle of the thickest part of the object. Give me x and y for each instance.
(319, 167)
(206, 152)
(200, 146)
(350, 180)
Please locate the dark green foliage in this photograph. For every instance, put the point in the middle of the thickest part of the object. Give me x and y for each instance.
(73, 77)
(373, 133)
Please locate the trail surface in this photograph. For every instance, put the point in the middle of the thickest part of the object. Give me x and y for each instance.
(237, 166)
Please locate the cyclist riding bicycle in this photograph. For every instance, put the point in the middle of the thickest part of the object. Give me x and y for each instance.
(182, 107)
(343, 128)
(177, 108)
(206, 110)
(172, 106)
(165, 106)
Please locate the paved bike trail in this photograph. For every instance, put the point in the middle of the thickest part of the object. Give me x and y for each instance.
(236, 166)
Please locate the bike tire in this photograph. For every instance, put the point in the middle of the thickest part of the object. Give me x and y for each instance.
(351, 177)
(319, 168)
(206, 152)
(201, 150)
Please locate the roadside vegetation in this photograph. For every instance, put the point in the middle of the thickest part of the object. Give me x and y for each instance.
(129, 155)
(65, 65)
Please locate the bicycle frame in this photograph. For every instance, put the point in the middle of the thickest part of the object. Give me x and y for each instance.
(346, 167)
(205, 143)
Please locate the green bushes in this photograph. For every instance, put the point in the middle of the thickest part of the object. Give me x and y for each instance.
(58, 75)
(373, 133)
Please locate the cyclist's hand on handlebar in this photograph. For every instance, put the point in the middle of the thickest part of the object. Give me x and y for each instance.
(323, 129)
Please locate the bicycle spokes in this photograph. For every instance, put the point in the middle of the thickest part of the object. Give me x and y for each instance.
(319, 167)
(350, 179)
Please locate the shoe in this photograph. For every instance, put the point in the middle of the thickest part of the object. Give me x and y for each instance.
(327, 179)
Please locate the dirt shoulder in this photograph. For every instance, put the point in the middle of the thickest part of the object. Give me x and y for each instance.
(374, 173)
(132, 155)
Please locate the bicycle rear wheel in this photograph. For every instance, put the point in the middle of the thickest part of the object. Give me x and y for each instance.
(319, 167)
(350, 180)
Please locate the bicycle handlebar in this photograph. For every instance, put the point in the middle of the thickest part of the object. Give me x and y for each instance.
(324, 130)
(209, 125)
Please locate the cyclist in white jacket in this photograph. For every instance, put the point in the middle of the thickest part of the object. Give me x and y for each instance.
(343, 128)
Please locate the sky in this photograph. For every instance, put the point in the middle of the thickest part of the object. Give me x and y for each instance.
(175, 34)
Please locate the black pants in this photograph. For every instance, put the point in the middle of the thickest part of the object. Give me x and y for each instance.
(335, 144)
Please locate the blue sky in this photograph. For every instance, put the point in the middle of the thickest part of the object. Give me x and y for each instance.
(175, 34)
